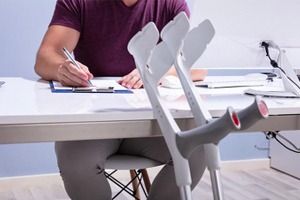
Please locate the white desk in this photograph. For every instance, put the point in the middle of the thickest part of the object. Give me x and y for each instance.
(29, 112)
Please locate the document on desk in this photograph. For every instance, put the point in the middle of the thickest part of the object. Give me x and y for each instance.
(231, 82)
(271, 93)
(99, 86)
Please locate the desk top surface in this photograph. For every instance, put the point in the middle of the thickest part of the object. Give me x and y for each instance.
(25, 101)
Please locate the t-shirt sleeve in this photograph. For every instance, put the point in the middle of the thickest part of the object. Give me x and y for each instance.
(179, 6)
(67, 13)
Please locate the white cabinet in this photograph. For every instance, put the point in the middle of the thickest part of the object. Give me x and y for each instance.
(283, 159)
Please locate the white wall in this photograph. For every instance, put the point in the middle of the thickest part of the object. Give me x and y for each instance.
(22, 26)
(242, 24)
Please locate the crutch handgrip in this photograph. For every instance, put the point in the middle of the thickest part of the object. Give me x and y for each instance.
(211, 132)
(253, 113)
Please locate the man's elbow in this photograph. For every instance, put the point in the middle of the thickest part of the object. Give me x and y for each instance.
(37, 66)
(40, 67)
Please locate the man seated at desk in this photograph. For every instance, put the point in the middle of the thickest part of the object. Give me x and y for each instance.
(98, 32)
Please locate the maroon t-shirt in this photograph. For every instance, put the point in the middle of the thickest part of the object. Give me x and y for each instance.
(106, 26)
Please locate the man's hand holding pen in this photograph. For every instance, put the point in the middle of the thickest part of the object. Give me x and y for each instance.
(73, 73)
(69, 75)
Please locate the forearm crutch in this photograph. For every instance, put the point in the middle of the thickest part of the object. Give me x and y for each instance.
(153, 61)
(186, 47)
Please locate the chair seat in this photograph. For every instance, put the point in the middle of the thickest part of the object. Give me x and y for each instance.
(128, 162)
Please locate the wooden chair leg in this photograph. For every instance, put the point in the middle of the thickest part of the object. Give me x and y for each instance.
(146, 179)
(135, 184)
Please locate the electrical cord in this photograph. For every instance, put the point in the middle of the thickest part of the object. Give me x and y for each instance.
(275, 134)
(274, 63)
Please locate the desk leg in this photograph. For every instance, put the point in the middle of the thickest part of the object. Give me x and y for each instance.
(213, 165)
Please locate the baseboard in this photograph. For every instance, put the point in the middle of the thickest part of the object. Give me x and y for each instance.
(25, 181)
(246, 164)
(48, 179)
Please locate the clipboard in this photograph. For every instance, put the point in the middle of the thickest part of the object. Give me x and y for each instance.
(108, 89)
(101, 86)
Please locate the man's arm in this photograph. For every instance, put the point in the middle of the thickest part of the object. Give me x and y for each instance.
(51, 63)
(196, 74)
(133, 79)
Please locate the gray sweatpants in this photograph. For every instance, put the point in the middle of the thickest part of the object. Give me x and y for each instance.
(81, 165)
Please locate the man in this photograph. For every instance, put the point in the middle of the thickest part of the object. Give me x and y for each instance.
(98, 32)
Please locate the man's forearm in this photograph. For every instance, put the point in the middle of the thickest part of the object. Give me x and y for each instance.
(47, 63)
(196, 74)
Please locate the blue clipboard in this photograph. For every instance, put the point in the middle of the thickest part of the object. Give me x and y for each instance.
(101, 90)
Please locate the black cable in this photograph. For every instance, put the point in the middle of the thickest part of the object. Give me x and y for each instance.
(273, 135)
(274, 63)
(288, 148)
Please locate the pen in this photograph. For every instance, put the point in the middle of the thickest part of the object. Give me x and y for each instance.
(67, 53)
